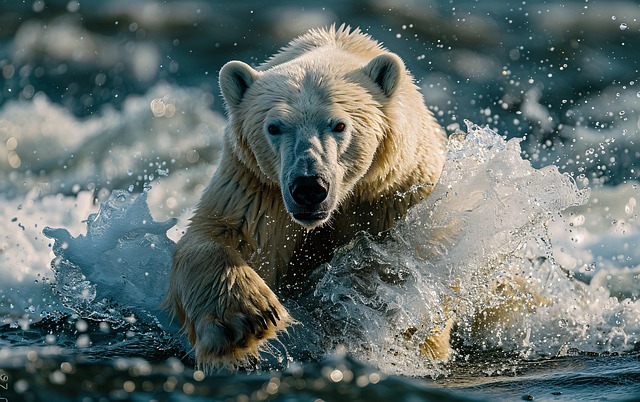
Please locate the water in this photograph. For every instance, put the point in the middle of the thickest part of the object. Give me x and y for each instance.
(110, 125)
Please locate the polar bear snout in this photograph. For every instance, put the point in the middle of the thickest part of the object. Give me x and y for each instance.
(309, 191)
(309, 200)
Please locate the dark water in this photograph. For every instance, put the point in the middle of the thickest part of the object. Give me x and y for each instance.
(61, 372)
(131, 380)
(540, 69)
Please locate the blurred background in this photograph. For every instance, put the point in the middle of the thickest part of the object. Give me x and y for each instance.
(563, 75)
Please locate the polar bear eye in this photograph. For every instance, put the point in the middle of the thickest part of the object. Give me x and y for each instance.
(338, 128)
(273, 129)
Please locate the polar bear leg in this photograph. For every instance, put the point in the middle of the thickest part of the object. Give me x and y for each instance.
(225, 307)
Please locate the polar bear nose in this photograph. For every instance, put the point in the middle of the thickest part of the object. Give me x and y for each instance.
(309, 190)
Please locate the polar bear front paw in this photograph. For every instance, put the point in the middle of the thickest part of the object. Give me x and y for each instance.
(250, 315)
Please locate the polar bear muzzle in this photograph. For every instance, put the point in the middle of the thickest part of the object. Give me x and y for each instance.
(309, 191)
(309, 200)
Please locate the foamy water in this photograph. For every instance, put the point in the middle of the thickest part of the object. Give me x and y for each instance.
(486, 222)
(83, 159)
(492, 217)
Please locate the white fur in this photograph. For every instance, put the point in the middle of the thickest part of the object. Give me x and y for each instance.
(244, 239)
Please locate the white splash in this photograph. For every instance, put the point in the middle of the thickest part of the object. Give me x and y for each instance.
(484, 224)
(486, 220)
(123, 260)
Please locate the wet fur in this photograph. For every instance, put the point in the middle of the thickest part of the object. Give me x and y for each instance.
(242, 242)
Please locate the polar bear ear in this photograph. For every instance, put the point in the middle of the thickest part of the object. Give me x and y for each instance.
(386, 71)
(235, 78)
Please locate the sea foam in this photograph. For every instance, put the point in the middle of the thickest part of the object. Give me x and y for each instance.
(486, 223)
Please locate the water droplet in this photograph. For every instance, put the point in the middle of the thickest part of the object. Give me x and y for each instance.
(82, 326)
(57, 377)
(83, 341)
(105, 327)
(198, 375)
(623, 26)
(129, 172)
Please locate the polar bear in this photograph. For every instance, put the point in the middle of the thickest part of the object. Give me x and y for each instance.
(327, 138)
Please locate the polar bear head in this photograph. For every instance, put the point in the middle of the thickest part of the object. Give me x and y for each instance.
(312, 125)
